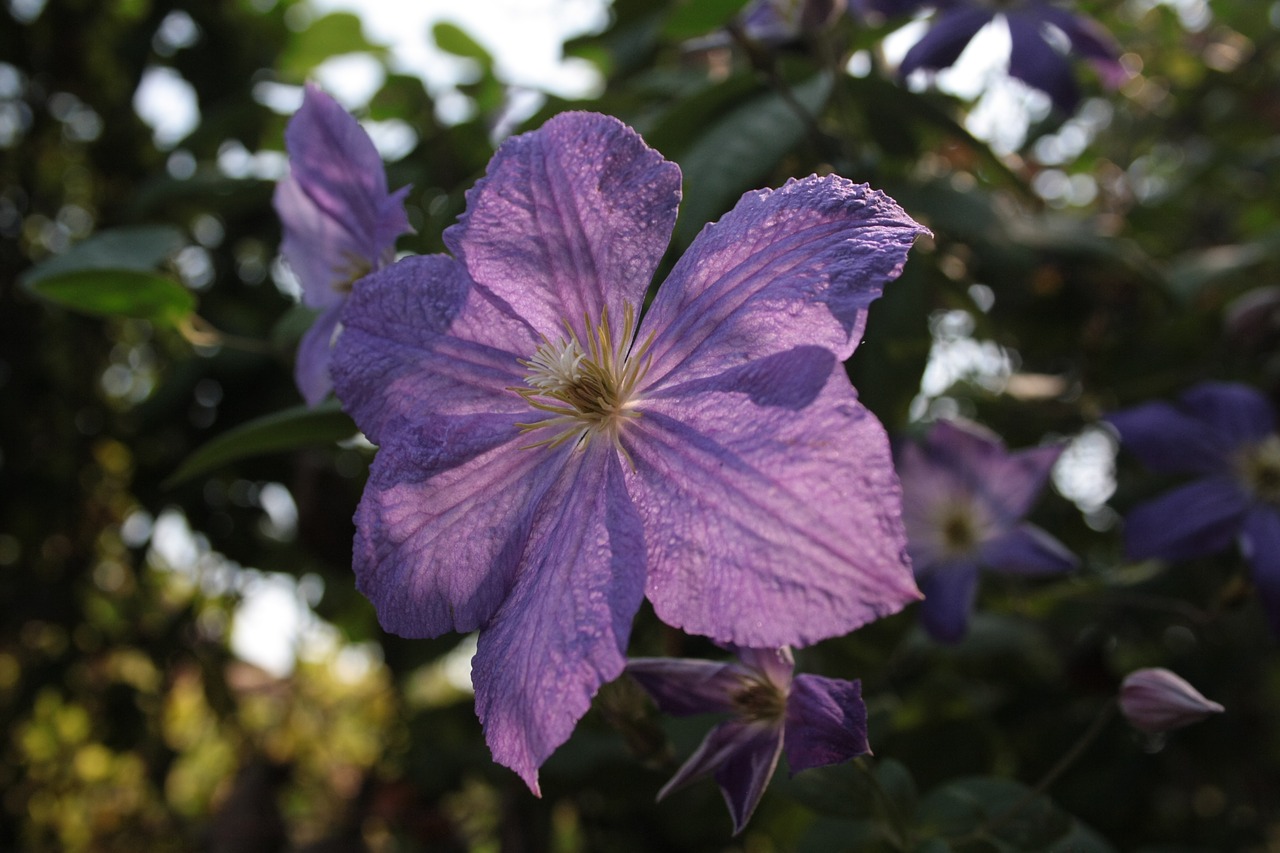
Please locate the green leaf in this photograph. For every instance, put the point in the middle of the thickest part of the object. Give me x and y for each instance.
(697, 17)
(1006, 815)
(738, 152)
(287, 430)
(140, 248)
(453, 39)
(331, 35)
(121, 293)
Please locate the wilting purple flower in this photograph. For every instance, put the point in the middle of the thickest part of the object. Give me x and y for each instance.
(1041, 36)
(339, 221)
(816, 720)
(1225, 434)
(547, 459)
(963, 500)
(1157, 700)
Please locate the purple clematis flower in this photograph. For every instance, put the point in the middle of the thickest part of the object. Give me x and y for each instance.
(815, 720)
(547, 459)
(1157, 700)
(1040, 33)
(963, 500)
(340, 223)
(1225, 434)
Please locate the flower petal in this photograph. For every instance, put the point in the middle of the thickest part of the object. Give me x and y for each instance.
(1240, 414)
(1036, 62)
(949, 591)
(826, 722)
(339, 220)
(945, 40)
(444, 519)
(1027, 550)
(787, 267)
(570, 219)
(767, 526)
(1157, 700)
(563, 629)
(742, 756)
(418, 338)
(1261, 542)
(1090, 40)
(315, 350)
(1199, 518)
(682, 687)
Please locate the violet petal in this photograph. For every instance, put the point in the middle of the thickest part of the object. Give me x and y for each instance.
(1238, 414)
(682, 687)
(1036, 62)
(945, 40)
(315, 351)
(1261, 544)
(1199, 518)
(1157, 700)
(1170, 440)
(1027, 550)
(826, 722)
(949, 592)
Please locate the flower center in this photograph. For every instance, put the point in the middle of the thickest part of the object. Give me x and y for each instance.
(590, 389)
(1259, 467)
(759, 702)
(959, 532)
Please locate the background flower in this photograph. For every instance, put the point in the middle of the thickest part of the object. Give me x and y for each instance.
(964, 498)
(339, 222)
(815, 720)
(544, 464)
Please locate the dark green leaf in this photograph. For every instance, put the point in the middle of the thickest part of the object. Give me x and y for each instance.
(332, 35)
(121, 293)
(453, 39)
(281, 431)
(698, 17)
(140, 248)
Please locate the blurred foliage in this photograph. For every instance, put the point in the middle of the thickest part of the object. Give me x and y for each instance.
(150, 429)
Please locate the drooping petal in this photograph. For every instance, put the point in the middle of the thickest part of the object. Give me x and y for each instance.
(563, 629)
(1090, 40)
(315, 351)
(1261, 545)
(826, 722)
(1036, 62)
(444, 521)
(742, 756)
(419, 338)
(949, 591)
(681, 686)
(339, 220)
(569, 220)
(945, 40)
(785, 268)
(1157, 700)
(768, 526)
(1202, 517)
(1027, 550)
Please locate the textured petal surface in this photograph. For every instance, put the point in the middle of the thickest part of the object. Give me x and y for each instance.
(945, 40)
(768, 526)
(683, 687)
(1027, 550)
(1034, 61)
(949, 592)
(1261, 541)
(339, 220)
(315, 351)
(826, 722)
(1199, 518)
(563, 629)
(444, 520)
(570, 219)
(419, 338)
(788, 267)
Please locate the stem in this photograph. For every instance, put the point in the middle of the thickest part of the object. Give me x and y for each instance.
(200, 332)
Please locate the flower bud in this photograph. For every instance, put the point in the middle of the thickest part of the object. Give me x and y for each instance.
(1156, 700)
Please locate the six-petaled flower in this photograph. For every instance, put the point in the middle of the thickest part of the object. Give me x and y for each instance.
(340, 223)
(964, 498)
(548, 457)
(813, 719)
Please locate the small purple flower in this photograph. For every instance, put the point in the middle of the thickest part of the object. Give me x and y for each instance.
(339, 222)
(963, 500)
(1156, 700)
(816, 720)
(1040, 33)
(1225, 434)
(547, 459)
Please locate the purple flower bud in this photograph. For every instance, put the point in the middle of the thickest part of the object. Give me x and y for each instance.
(1156, 700)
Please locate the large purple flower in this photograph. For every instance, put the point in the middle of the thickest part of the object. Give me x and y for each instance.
(340, 222)
(816, 720)
(547, 459)
(963, 500)
(1225, 434)
(1041, 36)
